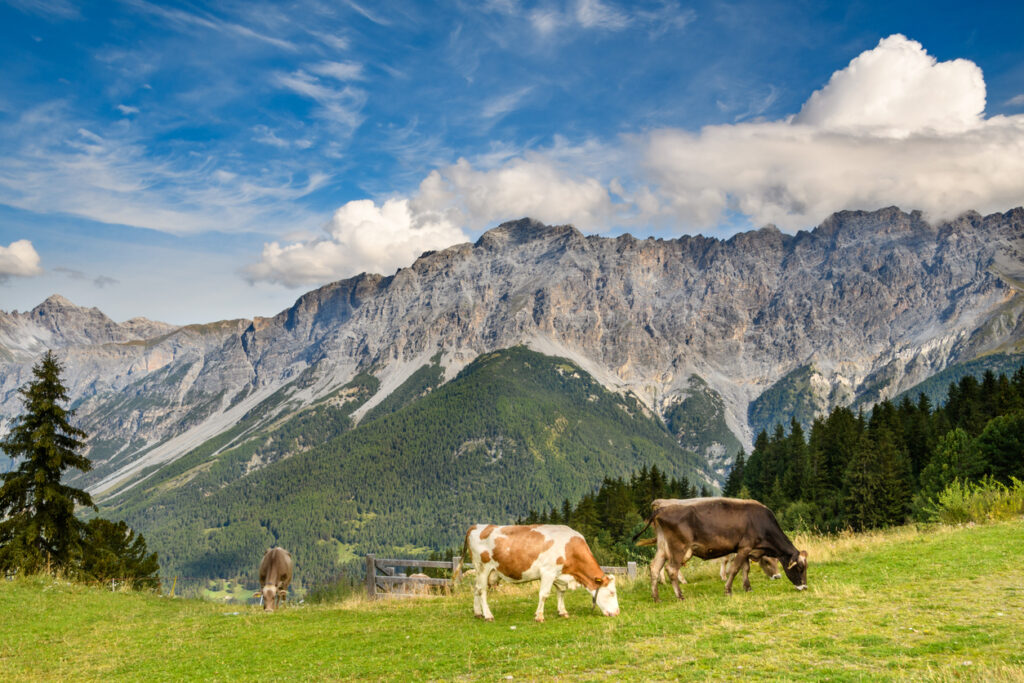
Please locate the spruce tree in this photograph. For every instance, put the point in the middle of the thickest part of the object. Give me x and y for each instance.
(735, 480)
(39, 527)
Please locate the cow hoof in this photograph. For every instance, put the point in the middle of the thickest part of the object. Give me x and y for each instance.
(539, 620)
(478, 616)
(488, 618)
(564, 615)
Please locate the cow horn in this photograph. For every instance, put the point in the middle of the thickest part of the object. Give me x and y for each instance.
(791, 564)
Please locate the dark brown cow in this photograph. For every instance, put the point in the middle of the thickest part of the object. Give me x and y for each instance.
(715, 527)
(275, 577)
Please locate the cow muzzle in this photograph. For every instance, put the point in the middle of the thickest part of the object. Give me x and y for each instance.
(802, 587)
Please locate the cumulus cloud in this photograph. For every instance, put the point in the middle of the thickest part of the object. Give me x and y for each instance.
(19, 259)
(898, 89)
(894, 127)
(361, 236)
(365, 236)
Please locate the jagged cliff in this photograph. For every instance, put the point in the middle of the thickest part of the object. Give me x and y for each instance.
(859, 309)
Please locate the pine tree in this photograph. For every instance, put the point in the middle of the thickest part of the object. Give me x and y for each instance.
(735, 480)
(114, 551)
(39, 527)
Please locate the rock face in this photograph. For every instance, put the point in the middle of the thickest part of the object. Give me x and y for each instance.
(865, 305)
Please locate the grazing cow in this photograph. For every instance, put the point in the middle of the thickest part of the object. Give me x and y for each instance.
(715, 527)
(275, 577)
(555, 555)
(417, 586)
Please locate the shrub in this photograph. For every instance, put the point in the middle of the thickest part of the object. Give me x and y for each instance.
(981, 501)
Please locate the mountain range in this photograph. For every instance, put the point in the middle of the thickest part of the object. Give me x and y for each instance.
(712, 339)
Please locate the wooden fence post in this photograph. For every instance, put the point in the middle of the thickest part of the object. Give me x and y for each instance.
(631, 570)
(371, 571)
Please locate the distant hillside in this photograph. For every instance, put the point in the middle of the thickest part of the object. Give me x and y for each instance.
(514, 431)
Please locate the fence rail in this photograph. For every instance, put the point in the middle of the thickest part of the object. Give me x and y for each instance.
(382, 581)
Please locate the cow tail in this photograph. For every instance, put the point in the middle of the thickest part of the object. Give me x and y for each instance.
(457, 569)
(650, 520)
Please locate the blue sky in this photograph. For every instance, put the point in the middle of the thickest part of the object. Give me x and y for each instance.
(197, 161)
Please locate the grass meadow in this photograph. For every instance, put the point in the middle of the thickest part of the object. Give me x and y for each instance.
(942, 603)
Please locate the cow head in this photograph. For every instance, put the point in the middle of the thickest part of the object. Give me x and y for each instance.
(605, 596)
(269, 598)
(796, 569)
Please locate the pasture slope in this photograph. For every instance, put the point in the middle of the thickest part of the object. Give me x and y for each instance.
(937, 604)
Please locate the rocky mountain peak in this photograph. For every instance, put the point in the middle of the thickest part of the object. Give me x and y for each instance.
(523, 231)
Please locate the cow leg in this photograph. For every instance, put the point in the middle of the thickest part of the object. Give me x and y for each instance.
(560, 592)
(673, 575)
(723, 569)
(746, 575)
(545, 590)
(738, 561)
(656, 565)
(480, 606)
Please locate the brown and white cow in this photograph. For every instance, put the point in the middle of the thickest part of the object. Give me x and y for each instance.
(709, 528)
(275, 577)
(553, 554)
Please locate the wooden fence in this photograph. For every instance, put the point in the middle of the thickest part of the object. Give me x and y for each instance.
(383, 581)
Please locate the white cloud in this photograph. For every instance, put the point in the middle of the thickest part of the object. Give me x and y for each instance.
(365, 236)
(894, 127)
(361, 236)
(534, 186)
(341, 71)
(127, 110)
(898, 89)
(111, 177)
(504, 104)
(340, 106)
(1016, 100)
(595, 14)
(62, 9)
(19, 259)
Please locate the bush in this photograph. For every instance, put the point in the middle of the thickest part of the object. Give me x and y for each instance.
(986, 500)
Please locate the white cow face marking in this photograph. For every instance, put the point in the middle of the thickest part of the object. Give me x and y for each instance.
(607, 598)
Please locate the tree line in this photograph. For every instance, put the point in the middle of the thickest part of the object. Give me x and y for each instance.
(867, 471)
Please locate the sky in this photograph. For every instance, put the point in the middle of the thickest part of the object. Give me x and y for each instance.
(197, 161)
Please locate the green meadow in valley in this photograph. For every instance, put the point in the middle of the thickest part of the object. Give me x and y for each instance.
(937, 603)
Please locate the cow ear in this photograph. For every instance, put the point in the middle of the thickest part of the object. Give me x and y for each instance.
(802, 558)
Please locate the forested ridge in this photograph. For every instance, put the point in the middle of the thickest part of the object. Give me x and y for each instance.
(514, 431)
(865, 471)
(852, 471)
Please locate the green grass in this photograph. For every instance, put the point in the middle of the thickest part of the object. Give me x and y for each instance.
(942, 604)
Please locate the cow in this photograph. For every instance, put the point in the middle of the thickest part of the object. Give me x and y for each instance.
(553, 554)
(275, 577)
(710, 528)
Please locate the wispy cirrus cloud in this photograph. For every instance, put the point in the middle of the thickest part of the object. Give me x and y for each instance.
(338, 106)
(51, 9)
(113, 177)
(210, 22)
